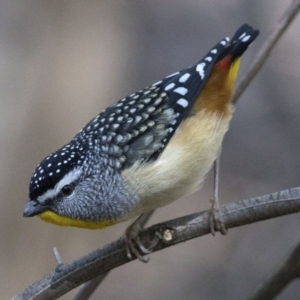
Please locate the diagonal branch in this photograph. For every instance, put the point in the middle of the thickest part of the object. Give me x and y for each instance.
(284, 275)
(267, 47)
(68, 276)
(89, 287)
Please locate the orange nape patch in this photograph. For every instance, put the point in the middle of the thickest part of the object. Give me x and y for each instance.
(217, 92)
(51, 217)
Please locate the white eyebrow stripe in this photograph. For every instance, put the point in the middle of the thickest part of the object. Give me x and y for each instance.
(47, 195)
(72, 176)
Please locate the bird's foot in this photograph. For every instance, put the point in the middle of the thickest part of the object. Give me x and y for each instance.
(216, 219)
(134, 245)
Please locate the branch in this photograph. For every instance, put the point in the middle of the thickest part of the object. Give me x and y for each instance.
(284, 275)
(267, 47)
(68, 276)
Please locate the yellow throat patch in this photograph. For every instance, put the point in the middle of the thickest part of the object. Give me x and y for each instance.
(51, 217)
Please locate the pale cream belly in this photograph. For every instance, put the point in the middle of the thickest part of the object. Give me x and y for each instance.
(181, 168)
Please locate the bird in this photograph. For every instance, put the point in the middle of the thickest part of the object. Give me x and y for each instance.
(144, 151)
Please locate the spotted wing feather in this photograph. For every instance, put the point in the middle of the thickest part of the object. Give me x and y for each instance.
(138, 127)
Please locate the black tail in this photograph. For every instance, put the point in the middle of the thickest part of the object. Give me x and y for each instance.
(239, 43)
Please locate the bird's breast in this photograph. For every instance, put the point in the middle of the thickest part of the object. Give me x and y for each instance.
(184, 163)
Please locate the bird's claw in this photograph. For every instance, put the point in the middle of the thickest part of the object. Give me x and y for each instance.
(134, 245)
(216, 219)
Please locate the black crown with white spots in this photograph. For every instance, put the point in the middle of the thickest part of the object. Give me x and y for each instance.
(138, 127)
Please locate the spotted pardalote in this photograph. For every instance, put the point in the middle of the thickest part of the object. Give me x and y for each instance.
(146, 150)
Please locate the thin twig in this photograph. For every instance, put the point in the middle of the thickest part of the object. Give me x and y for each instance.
(179, 230)
(284, 275)
(57, 256)
(267, 47)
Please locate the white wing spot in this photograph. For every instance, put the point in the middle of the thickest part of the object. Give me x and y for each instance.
(184, 77)
(138, 119)
(200, 69)
(182, 102)
(223, 43)
(169, 86)
(208, 58)
(151, 123)
(214, 51)
(242, 35)
(151, 109)
(143, 128)
(157, 101)
(181, 90)
(227, 39)
(246, 38)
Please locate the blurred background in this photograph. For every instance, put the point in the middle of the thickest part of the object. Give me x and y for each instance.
(62, 62)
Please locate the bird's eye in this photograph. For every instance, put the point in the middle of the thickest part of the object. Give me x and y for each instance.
(67, 190)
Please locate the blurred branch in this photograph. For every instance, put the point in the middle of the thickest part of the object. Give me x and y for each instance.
(267, 47)
(284, 275)
(68, 276)
(89, 287)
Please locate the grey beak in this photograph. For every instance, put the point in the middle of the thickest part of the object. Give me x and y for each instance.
(33, 208)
